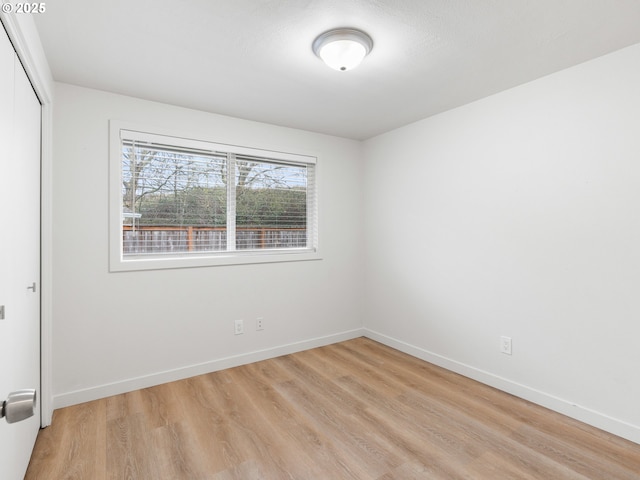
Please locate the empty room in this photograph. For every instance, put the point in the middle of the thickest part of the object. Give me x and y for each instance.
(320, 239)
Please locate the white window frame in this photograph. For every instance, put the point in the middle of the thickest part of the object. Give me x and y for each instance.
(117, 260)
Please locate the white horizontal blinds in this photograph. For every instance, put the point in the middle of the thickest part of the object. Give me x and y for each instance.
(174, 198)
(312, 202)
(183, 196)
(271, 204)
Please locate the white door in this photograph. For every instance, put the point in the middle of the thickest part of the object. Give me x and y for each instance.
(20, 115)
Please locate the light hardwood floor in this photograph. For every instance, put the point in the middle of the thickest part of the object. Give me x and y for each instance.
(353, 410)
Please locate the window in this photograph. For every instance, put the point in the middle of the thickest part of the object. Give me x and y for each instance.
(180, 202)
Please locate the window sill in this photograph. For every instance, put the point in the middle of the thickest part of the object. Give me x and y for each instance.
(139, 263)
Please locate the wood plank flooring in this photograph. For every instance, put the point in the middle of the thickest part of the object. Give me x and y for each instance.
(353, 410)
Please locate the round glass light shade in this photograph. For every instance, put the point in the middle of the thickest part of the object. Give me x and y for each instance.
(342, 49)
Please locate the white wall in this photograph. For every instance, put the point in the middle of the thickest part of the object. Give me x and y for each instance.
(120, 331)
(518, 215)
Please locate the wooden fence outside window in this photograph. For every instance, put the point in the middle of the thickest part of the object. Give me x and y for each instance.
(167, 239)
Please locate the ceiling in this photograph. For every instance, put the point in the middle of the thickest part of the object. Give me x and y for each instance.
(252, 58)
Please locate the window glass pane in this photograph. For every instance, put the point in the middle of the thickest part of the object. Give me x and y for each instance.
(271, 204)
(174, 199)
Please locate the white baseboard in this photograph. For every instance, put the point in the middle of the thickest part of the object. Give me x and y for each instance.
(131, 384)
(570, 409)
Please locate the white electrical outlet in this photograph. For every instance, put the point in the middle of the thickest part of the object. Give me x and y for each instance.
(259, 323)
(505, 345)
(238, 327)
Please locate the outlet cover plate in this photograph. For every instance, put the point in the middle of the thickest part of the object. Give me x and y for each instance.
(505, 345)
(238, 327)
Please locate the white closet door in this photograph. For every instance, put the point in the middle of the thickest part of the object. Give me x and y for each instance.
(20, 115)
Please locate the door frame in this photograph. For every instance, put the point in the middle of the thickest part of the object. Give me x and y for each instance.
(26, 41)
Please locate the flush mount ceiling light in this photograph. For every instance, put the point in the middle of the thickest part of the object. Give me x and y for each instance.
(342, 48)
